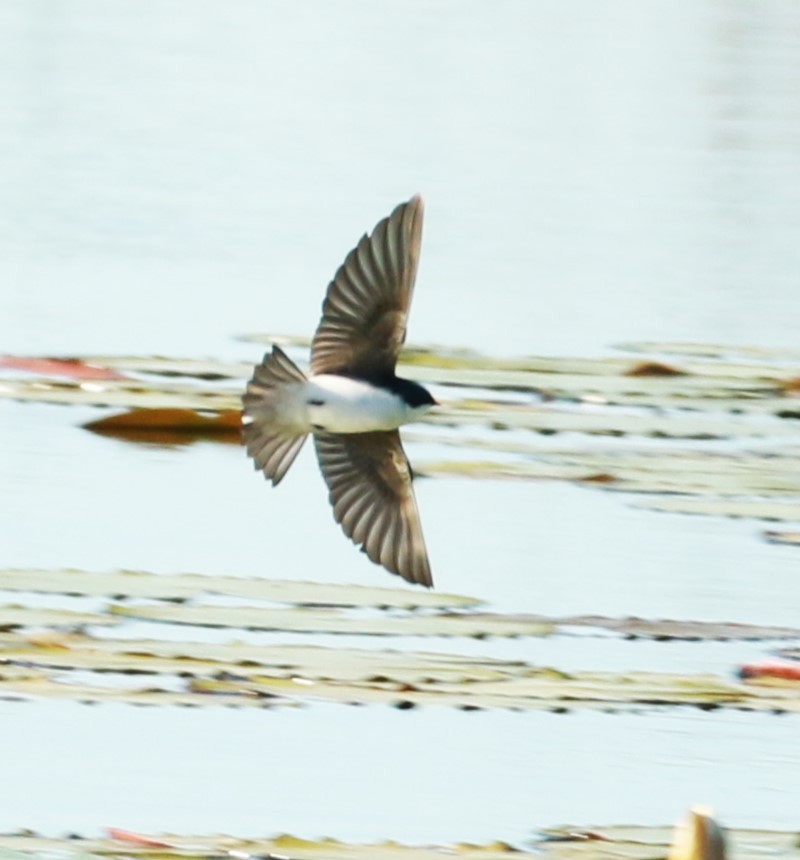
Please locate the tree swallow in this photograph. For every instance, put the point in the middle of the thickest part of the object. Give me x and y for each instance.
(353, 402)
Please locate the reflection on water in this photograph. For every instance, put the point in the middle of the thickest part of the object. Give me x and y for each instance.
(594, 173)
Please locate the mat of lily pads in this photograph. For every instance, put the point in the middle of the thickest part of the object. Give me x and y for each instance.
(696, 428)
(47, 652)
(566, 843)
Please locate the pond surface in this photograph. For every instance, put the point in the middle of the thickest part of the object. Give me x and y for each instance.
(434, 775)
(594, 174)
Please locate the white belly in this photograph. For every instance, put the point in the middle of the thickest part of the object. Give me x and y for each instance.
(343, 405)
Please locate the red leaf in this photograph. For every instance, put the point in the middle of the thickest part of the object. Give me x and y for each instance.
(784, 670)
(136, 838)
(70, 367)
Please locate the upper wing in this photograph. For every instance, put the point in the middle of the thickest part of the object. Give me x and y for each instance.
(370, 489)
(364, 313)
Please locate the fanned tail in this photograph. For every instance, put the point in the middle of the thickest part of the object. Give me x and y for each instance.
(272, 434)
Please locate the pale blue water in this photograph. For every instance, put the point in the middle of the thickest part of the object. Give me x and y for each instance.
(433, 775)
(595, 172)
(173, 174)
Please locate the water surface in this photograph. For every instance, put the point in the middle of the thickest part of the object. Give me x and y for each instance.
(172, 175)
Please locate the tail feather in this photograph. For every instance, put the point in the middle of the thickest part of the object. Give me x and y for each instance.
(273, 453)
(272, 438)
(276, 369)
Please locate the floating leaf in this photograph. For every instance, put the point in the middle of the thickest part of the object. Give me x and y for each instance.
(74, 368)
(646, 843)
(23, 616)
(182, 586)
(38, 685)
(770, 670)
(319, 620)
(121, 393)
(666, 629)
(714, 350)
(167, 426)
(290, 674)
(76, 651)
(609, 422)
(654, 368)
(120, 835)
(757, 509)
(194, 368)
(791, 538)
(688, 472)
(538, 689)
(566, 843)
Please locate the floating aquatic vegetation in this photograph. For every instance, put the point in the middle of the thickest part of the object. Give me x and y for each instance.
(73, 368)
(717, 351)
(324, 620)
(791, 538)
(757, 509)
(183, 586)
(48, 652)
(723, 398)
(234, 674)
(612, 842)
(685, 471)
(170, 426)
(633, 843)
(310, 607)
(772, 672)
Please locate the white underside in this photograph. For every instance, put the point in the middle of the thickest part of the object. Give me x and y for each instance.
(353, 406)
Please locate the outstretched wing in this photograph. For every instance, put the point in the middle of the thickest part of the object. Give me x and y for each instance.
(366, 306)
(369, 479)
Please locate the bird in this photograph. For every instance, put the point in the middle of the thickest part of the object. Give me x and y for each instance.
(352, 402)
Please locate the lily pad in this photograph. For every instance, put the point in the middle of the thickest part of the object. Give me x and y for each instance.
(132, 394)
(790, 538)
(23, 616)
(238, 675)
(193, 368)
(77, 651)
(319, 620)
(549, 419)
(577, 842)
(538, 689)
(666, 630)
(721, 351)
(646, 843)
(73, 368)
(183, 586)
(757, 509)
(653, 471)
(167, 425)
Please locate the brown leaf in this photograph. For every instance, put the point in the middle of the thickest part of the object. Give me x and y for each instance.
(654, 368)
(599, 478)
(169, 426)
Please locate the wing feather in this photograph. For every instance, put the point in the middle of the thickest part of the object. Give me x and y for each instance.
(370, 486)
(365, 311)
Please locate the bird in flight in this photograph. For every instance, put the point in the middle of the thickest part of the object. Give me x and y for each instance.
(353, 401)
